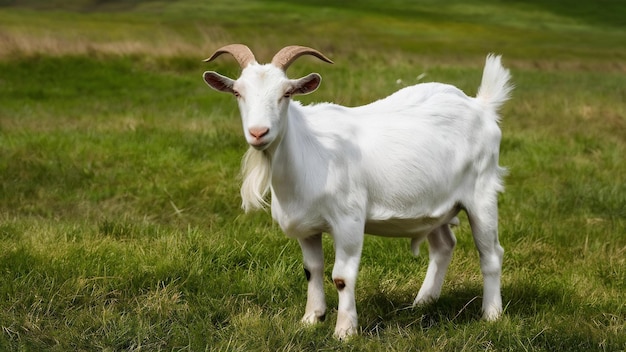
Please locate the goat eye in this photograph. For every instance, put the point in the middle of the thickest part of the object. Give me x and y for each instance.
(236, 94)
(287, 95)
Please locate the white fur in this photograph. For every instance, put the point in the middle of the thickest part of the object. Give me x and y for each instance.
(403, 166)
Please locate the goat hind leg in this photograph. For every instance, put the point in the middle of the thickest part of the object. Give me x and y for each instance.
(484, 223)
(441, 243)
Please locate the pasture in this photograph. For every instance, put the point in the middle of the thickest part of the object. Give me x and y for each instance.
(120, 219)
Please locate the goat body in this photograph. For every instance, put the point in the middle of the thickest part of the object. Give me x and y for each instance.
(403, 166)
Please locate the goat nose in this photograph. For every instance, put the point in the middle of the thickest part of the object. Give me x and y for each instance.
(258, 132)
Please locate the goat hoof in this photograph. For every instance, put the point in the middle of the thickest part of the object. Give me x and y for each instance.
(344, 334)
(492, 314)
(424, 300)
(346, 325)
(314, 318)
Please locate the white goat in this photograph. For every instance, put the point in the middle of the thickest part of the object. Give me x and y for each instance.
(403, 166)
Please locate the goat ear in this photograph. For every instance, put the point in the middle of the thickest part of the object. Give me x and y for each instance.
(307, 84)
(219, 82)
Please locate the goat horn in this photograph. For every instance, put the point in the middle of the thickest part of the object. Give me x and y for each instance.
(240, 52)
(289, 54)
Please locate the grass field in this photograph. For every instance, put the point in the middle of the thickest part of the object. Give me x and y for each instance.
(120, 225)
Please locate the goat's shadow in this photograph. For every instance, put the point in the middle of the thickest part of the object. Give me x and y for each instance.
(458, 306)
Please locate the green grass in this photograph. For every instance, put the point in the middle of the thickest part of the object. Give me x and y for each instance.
(120, 226)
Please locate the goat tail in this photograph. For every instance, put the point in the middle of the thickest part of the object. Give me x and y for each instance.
(495, 87)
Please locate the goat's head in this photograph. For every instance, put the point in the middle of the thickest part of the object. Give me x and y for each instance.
(263, 91)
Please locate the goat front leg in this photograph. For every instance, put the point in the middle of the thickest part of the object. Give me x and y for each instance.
(313, 259)
(348, 246)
